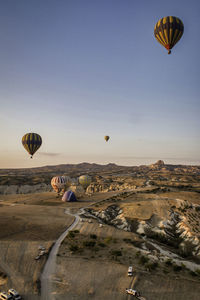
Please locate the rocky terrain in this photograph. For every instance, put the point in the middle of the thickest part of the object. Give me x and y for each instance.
(147, 216)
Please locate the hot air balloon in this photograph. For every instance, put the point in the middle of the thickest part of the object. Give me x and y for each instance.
(31, 142)
(85, 180)
(168, 31)
(106, 138)
(69, 196)
(58, 184)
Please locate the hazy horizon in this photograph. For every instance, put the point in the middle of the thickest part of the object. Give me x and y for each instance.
(135, 162)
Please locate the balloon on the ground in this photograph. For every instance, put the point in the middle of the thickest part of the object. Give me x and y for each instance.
(58, 184)
(31, 142)
(106, 138)
(168, 31)
(84, 180)
(69, 196)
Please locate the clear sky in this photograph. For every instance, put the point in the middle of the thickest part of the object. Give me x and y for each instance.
(76, 70)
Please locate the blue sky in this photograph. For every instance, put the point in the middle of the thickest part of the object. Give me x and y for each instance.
(74, 71)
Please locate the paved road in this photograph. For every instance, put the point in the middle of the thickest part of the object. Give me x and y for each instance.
(50, 265)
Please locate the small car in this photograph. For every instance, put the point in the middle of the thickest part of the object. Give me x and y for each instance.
(42, 252)
(5, 296)
(37, 257)
(132, 292)
(130, 271)
(41, 248)
(15, 295)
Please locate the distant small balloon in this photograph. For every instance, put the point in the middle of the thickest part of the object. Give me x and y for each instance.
(106, 138)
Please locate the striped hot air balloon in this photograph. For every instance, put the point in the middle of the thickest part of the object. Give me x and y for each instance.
(31, 142)
(58, 183)
(168, 31)
(85, 180)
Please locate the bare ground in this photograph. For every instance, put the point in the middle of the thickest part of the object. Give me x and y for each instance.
(27, 221)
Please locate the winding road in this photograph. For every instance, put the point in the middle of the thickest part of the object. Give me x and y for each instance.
(50, 265)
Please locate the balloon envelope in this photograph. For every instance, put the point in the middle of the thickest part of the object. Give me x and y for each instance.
(85, 180)
(31, 142)
(58, 183)
(106, 138)
(69, 196)
(168, 31)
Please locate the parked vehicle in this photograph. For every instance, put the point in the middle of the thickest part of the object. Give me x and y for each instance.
(42, 252)
(41, 248)
(132, 292)
(37, 257)
(5, 296)
(130, 271)
(14, 294)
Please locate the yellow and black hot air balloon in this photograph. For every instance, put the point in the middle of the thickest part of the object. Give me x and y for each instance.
(85, 180)
(106, 138)
(168, 31)
(31, 142)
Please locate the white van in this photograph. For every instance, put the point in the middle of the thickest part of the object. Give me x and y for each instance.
(5, 296)
(130, 271)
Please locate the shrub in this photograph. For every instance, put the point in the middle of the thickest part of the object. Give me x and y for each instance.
(76, 231)
(93, 236)
(165, 271)
(71, 234)
(193, 273)
(137, 254)
(177, 268)
(127, 240)
(102, 245)
(143, 260)
(73, 248)
(116, 253)
(168, 262)
(152, 266)
(197, 271)
(108, 239)
(89, 244)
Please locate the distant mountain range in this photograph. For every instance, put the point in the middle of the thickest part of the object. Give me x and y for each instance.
(90, 168)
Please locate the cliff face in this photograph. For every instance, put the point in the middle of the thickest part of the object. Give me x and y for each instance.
(174, 231)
